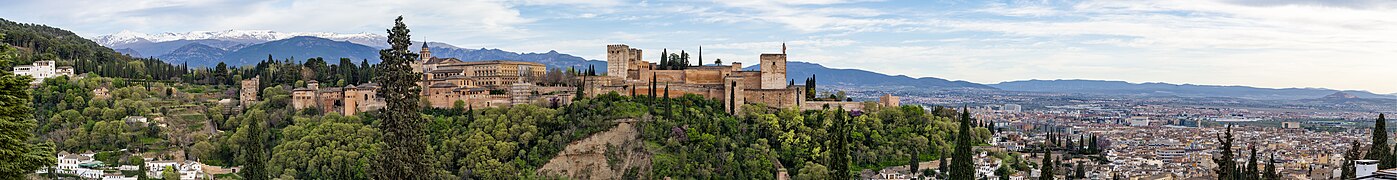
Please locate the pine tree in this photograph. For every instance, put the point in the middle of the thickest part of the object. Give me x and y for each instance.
(19, 156)
(1226, 166)
(962, 162)
(1379, 149)
(403, 155)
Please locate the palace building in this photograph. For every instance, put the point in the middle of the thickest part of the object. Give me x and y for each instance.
(628, 74)
(450, 82)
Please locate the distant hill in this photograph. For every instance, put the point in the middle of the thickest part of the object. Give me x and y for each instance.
(1182, 90)
(798, 71)
(161, 48)
(552, 59)
(301, 48)
(196, 53)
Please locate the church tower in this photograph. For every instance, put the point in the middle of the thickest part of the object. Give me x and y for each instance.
(424, 56)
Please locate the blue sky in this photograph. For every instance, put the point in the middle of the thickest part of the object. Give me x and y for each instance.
(1339, 44)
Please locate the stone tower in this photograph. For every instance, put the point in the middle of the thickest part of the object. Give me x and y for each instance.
(620, 58)
(248, 95)
(773, 71)
(424, 56)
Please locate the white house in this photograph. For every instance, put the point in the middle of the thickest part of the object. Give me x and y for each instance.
(154, 168)
(43, 69)
(191, 170)
(88, 173)
(68, 163)
(116, 176)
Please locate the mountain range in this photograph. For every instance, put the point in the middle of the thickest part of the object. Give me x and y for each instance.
(246, 47)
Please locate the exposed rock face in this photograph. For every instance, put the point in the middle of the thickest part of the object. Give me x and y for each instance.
(605, 155)
(1340, 95)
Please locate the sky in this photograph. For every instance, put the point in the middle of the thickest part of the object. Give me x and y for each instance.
(1337, 44)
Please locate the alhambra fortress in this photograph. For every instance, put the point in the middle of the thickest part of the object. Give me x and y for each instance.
(450, 82)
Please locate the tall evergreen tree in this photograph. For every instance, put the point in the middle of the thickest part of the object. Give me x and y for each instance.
(839, 160)
(1270, 173)
(1252, 169)
(19, 156)
(1081, 171)
(1379, 149)
(254, 149)
(1354, 152)
(1226, 165)
(403, 155)
(943, 165)
(1046, 167)
(962, 162)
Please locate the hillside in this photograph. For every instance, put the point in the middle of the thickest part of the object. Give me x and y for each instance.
(1166, 89)
(41, 42)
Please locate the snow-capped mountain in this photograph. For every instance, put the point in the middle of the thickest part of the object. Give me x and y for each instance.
(239, 36)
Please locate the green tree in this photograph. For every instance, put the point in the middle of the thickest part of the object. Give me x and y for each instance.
(254, 154)
(169, 173)
(325, 147)
(1002, 172)
(16, 121)
(1349, 158)
(404, 152)
(1270, 173)
(813, 171)
(1252, 168)
(1379, 149)
(839, 152)
(1045, 167)
(962, 160)
(141, 168)
(1226, 166)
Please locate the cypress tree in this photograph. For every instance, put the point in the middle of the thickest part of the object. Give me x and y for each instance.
(942, 166)
(1081, 171)
(962, 164)
(913, 164)
(1348, 168)
(839, 165)
(404, 152)
(1271, 169)
(1226, 166)
(1252, 169)
(1046, 167)
(253, 150)
(1379, 149)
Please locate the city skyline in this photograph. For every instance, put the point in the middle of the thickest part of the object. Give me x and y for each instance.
(1274, 44)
